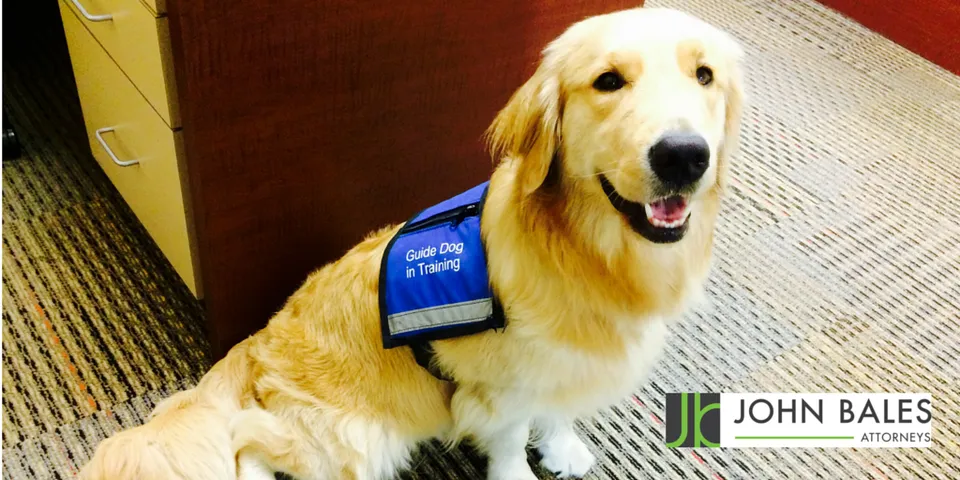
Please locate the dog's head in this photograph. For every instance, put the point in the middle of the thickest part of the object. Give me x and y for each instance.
(638, 110)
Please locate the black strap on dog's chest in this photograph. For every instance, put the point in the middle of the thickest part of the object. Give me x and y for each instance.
(424, 354)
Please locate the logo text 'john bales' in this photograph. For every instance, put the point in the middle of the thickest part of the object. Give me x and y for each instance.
(762, 410)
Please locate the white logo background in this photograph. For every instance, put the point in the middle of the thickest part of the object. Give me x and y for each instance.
(795, 431)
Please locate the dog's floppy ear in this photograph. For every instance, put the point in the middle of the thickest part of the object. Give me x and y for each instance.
(529, 128)
(734, 99)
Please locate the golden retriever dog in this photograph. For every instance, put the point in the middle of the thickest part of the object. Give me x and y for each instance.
(598, 226)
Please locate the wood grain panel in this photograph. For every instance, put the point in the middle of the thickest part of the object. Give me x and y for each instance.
(307, 124)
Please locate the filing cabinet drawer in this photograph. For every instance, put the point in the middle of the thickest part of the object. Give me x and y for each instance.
(138, 42)
(133, 145)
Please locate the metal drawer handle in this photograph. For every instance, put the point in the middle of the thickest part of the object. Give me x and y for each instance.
(113, 156)
(86, 14)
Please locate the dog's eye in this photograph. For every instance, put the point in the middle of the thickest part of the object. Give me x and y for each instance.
(704, 76)
(609, 82)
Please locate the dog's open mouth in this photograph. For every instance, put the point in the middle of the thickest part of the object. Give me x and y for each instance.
(661, 221)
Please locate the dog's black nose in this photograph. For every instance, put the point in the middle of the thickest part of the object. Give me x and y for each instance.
(680, 158)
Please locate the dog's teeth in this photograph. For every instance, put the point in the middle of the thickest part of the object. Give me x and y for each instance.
(656, 222)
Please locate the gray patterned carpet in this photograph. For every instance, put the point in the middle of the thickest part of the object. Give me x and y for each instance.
(838, 264)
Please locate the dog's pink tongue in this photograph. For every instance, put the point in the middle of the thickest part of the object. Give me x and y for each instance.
(669, 209)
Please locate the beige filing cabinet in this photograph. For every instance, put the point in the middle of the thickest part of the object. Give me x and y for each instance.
(120, 51)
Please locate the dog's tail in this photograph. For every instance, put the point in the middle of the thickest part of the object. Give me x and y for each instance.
(187, 436)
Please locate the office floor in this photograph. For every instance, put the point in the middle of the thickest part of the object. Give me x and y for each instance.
(837, 265)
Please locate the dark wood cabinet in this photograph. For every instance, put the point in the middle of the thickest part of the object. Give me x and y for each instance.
(308, 123)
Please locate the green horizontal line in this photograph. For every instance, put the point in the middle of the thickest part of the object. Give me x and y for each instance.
(796, 438)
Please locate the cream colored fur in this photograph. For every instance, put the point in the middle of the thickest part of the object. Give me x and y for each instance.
(587, 299)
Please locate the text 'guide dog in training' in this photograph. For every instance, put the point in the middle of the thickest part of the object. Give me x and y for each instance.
(503, 314)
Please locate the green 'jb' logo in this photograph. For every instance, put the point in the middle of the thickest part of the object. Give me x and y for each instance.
(693, 420)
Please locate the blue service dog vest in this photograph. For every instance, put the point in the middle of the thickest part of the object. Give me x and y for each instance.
(433, 278)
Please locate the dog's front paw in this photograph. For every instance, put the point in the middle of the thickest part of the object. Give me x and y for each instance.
(566, 456)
